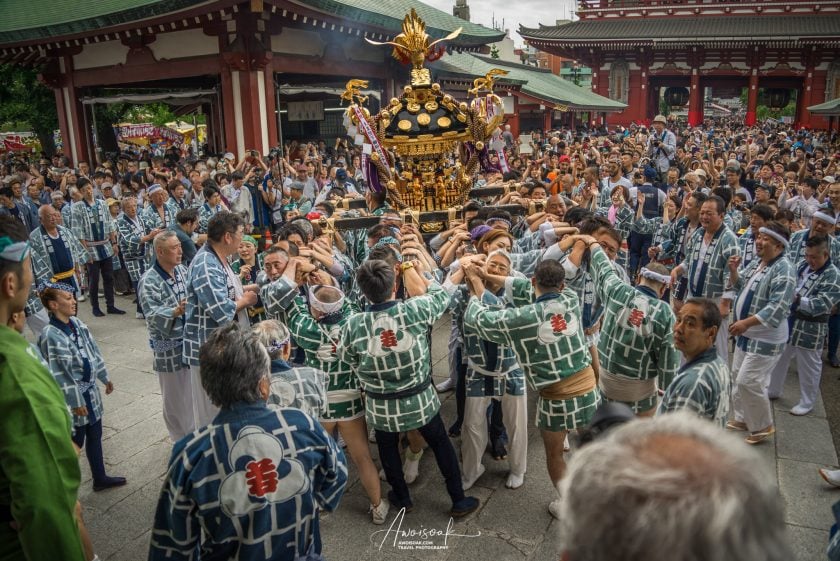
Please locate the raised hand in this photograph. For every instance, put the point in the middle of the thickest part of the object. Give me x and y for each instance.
(733, 263)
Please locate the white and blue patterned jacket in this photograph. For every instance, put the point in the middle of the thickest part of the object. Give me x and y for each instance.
(248, 486)
(94, 223)
(209, 302)
(159, 295)
(67, 363)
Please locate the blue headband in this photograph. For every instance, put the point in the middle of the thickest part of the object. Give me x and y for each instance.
(64, 287)
(387, 240)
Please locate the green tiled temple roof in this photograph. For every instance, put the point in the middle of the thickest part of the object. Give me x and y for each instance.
(534, 82)
(686, 30)
(388, 14)
(829, 108)
(33, 20)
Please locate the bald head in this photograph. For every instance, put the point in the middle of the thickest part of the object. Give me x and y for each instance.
(49, 216)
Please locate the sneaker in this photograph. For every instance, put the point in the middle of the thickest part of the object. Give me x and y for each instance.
(115, 311)
(139, 315)
(800, 410)
(468, 483)
(554, 508)
(411, 466)
(446, 386)
(515, 481)
(761, 435)
(400, 503)
(380, 513)
(81, 298)
(108, 483)
(832, 476)
(464, 507)
(736, 425)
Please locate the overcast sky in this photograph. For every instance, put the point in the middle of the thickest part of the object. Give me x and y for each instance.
(529, 13)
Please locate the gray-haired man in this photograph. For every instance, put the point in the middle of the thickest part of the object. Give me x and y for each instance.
(702, 486)
(162, 293)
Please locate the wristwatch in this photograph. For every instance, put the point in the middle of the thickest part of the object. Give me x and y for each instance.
(407, 265)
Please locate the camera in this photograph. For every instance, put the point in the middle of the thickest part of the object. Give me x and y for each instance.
(655, 144)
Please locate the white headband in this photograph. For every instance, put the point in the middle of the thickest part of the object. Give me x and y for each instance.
(325, 307)
(501, 251)
(275, 345)
(11, 250)
(776, 236)
(819, 215)
(654, 276)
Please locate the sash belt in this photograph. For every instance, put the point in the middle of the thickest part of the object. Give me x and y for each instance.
(624, 388)
(576, 385)
(62, 276)
(409, 392)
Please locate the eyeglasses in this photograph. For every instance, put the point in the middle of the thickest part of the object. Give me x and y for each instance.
(611, 250)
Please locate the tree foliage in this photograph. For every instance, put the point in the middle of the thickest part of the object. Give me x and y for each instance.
(27, 104)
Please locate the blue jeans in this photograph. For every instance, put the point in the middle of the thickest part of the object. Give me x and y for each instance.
(638, 245)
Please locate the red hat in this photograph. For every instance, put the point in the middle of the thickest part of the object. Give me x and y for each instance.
(564, 158)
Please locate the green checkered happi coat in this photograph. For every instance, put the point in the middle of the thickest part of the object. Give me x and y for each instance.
(388, 348)
(637, 336)
(547, 337)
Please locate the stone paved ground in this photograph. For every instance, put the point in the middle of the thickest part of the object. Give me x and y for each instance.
(513, 525)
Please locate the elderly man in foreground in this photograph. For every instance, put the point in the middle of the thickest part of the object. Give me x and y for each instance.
(675, 484)
(251, 483)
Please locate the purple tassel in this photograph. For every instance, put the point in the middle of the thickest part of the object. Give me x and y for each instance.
(486, 164)
(373, 175)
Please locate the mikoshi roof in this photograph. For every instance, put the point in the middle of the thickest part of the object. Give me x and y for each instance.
(534, 82)
(827, 109)
(34, 20)
(687, 30)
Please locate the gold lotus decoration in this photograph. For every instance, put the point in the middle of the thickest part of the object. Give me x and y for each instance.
(435, 141)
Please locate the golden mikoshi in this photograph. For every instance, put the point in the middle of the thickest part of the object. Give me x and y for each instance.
(440, 142)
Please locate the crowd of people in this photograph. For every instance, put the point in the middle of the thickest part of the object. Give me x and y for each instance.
(665, 268)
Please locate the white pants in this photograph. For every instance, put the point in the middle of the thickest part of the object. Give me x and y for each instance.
(809, 367)
(722, 341)
(176, 389)
(203, 410)
(37, 322)
(750, 404)
(474, 433)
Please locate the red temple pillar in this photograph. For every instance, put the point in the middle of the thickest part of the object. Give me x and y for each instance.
(752, 98)
(270, 110)
(546, 119)
(512, 119)
(71, 120)
(248, 103)
(804, 101)
(695, 100)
